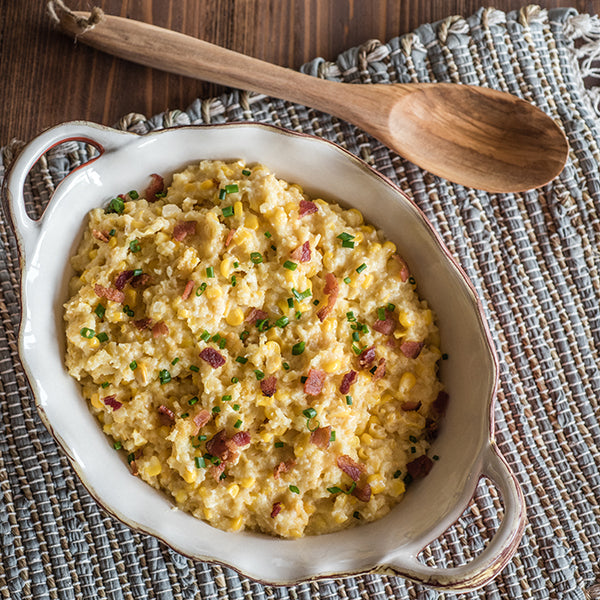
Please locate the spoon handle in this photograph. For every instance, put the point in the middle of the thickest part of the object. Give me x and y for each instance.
(181, 54)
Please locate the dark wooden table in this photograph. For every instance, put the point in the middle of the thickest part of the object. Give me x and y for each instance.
(47, 79)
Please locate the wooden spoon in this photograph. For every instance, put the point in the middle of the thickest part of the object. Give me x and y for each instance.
(475, 136)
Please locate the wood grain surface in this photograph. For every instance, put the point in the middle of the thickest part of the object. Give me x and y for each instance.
(48, 79)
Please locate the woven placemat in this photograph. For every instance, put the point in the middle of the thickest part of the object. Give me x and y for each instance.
(533, 260)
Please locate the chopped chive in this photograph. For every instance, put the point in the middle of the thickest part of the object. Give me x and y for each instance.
(349, 400)
(236, 264)
(288, 264)
(397, 474)
(412, 438)
(311, 429)
(201, 288)
(332, 436)
(134, 245)
(356, 336)
(205, 336)
(298, 314)
(347, 280)
(137, 272)
(278, 444)
(193, 401)
(290, 302)
(216, 409)
(128, 311)
(105, 384)
(244, 335)
(263, 324)
(444, 356)
(286, 366)
(227, 211)
(364, 329)
(236, 407)
(345, 237)
(100, 310)
(274, 248)
(164, 376)
(407, 479)
(303, 379)
(232, 188)
(130, 457)
(256, 257)
(298, 348)
(226, 398)
(185, 415)
(194, 368)
(246, 172)
(117, 445)
(413, 450)
(334, 490)
(87, 333)
(356, 514)
(215, 338)
(372, 370)
(116, 205)
(309, 413)
(223, 343)
(412, 280)
(133, 365)
(235, 380)
(347, 244)
(133, 195)
(316, 302)
(350, 316)
(301, 295)
(238, 424)
(102, 337)
(435, 457)
(222, 193)
(390, 307)
(267, 234)
(381, 314)
(200, 462)
(160, 195)
(355, 349)
(202, 438)
(233, 281)
(282, 321)
(361, 268)
(242, 360)
(174, 361)
(259, 374)
(112, 232)
(294, 489)
(210, 272)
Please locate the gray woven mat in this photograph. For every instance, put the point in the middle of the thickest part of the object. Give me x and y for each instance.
(533, 259)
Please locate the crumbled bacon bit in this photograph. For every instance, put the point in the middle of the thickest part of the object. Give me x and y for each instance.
(229, 237)
(404, 272)
(307, 208)
(410, 405)
(241, 438)
(366, 357)
(283, 467)
(159, 329)
(140, 280)
(332, 289)
(348, 379)
(123, 278)
(184, 228)
(380, 370)
(387, 325)
(254, 315)
(212, 357)
(189, 286)
(142, 324)
(200, 419)
(167, 416)
(353, 469)
(362, 492)
(419, 467)
(276, 509)
(313, 385)
(268, 386)
(411, 349)
(112, 402)
(227, 449)
(100, 235)
(109, 293)
(321, 437)
(156, 186)
(302, 253)
(217, 470)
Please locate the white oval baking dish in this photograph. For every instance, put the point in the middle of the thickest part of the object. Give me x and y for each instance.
(466, 442)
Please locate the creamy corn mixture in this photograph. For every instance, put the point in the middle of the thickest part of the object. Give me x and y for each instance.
(262, 357)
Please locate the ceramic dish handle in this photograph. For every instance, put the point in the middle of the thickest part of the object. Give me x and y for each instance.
(482, 569)
(26, 228)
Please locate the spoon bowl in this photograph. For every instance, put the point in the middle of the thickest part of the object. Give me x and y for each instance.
(474, 136)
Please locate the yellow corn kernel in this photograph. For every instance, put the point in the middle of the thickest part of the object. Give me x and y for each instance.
(362, 454)
(207, 184)
(272, 347)
(332, 366)
(367, 229)
(366, 439)
(376, 482)
(398, 487)
(235, 317)
(181, 496)
(353, 281)
(214, 292)
(300, 449)
(376, 430)
(227, 171)
(92, 254)
(248, 482)
(153, 467)
(161, 237)
(282, 305)
(207, 513)
(280, 430)
(339, 517)
(115, 316)
(189, 187)
(236, 524)
(290, 276)
(242, 236)
(233, 490)
(189, 477)
(386, 398)
(211, 216)
(141, 373)
(270, 413)
(94, 342)
(128, 207)
(203, 492)
(273, 335)
(427, 317)
(96, 402)
(358, 238)
(374, 419)
(357, 214)
(328, 325)
(225, 266)
(266, 436)
(405, 319)
(320, 201)
(251, 222)
(328, 260)
(354, 441)
(297, 187)
(130, 296)
(112, 242)
(375, 247)
(238, 208)
(367, 281)
(107, 428)
(407, 382)
(389, 247)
